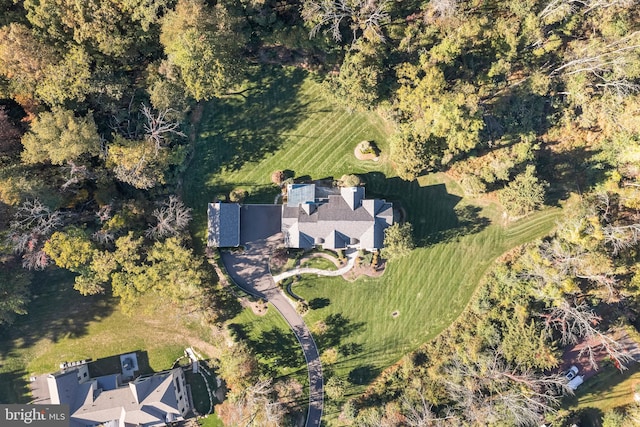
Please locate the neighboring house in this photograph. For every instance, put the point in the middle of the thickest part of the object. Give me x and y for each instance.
(152, 400)
(312, 217)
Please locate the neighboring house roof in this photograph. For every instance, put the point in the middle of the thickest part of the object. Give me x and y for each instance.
(343, 220)
(148, 401)
(224, 225)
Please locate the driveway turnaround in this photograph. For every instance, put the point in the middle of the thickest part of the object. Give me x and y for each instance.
(250, 270)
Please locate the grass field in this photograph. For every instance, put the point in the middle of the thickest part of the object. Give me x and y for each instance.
(283, 124)
(62, 326)
(321, 263)
(270, 337)
(608, 390)
(287, 124)
(428, 290)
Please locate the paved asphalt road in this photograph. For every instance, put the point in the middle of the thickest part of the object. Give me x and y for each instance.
(250, 270)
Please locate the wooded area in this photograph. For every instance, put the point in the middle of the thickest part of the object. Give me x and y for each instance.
(524, 102)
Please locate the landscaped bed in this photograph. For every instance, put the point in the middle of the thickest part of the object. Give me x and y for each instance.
(320, 262)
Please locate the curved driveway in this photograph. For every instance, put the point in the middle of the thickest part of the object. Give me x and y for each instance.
(250, 270)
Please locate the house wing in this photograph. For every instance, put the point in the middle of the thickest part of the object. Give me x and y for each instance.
(223, 225)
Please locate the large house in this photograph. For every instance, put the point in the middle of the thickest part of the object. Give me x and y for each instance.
(312, 217)
(151, 400)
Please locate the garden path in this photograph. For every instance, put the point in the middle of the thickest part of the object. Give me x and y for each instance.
(351, 256)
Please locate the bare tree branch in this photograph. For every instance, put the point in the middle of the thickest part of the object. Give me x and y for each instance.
(572, 6)
(158, 127)
(366, 16)
(488, 390)
(172, 218)
(578, 324)
(31, 225)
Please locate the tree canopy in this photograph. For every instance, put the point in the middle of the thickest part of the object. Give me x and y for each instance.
(204, 43)
(60, 137)
(398, 240)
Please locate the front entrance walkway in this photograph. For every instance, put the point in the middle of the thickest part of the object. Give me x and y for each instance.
(352, 254)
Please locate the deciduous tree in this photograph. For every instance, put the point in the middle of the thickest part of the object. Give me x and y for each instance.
(204, 43)
(524, 194)
(172, 218)
(30, 227)
(59, 137)
(68, 79)
(398, 241)
(362, 17)
(139, 164)
(24, 59)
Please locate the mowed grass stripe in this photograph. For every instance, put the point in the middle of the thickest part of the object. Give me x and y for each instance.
(327, 159)
(326, 142)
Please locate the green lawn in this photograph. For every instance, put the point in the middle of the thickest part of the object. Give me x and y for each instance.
(321, 263)
(199, 391)
(428, 290)
(271, 338)
(62, 326)
(285, 123)
(607, 390)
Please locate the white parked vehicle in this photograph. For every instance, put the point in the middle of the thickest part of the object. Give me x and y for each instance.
(571, 373)
(575, 383)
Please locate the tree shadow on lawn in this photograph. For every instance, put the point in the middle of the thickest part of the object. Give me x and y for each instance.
(246, 129)
(318, 303)
(588, 417)
(363, 375)
(280, 347)
(56, 311)
(13, 387)
(431, 209)
(336, 328)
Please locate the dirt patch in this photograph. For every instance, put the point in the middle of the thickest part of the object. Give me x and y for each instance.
(365, 270)
(362, 156)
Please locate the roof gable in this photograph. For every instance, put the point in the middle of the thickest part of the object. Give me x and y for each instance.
(338, 222)
(352, 196)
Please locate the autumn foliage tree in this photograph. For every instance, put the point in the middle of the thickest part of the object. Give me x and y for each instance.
(204, 42)
(59, 137)
(398, 241)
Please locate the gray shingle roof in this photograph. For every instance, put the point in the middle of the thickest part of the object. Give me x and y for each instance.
(147, 401)
(224, 225)
(344, 220)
